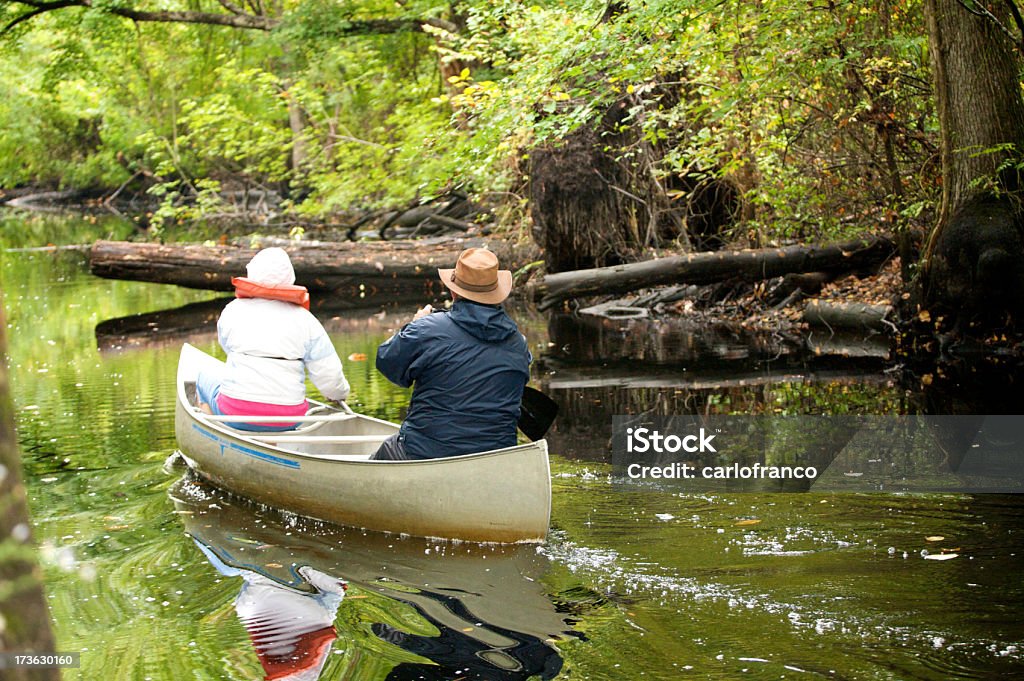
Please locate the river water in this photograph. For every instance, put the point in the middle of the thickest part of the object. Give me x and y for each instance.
(153, 575)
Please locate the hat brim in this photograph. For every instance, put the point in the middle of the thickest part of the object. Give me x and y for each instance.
(489, 297)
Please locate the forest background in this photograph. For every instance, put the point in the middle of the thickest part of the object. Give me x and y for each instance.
(702, 121)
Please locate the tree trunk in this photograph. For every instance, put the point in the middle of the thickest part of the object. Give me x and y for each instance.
(707, 268)
(848, 316)
(358, 269)
(22, 603)
(972, 267)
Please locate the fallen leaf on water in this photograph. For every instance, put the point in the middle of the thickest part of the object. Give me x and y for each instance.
(749, 521)
(935, 537)
(244, 540)
(941, 556)
(357, 357)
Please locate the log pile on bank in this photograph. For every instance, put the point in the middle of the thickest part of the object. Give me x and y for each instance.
(753, 292)
(756, 289)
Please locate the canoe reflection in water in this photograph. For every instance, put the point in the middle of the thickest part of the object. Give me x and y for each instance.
(416, 609)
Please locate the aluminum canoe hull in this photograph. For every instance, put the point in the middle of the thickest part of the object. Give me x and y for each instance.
(497, 496)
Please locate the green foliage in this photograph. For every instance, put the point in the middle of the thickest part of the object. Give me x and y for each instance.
(819, 116)
(795, 107)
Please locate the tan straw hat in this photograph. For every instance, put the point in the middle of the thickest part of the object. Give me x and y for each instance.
(476, 277)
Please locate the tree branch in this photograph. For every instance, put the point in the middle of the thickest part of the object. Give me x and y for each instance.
(979, 10)
(233, 8)
(238, 18)
(246, 21)
(38, 8)
(1017, 19)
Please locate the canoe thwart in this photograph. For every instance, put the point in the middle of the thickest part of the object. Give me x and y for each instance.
(319, 439)
(243, 418)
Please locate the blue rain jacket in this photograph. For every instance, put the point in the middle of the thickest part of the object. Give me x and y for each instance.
(468, 367)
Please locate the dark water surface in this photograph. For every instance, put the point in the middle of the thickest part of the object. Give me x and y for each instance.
(152, 575)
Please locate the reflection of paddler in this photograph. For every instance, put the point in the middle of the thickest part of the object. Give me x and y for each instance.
(487, 602)
(292, 631)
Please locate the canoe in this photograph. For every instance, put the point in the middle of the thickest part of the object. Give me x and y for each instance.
(322, 470)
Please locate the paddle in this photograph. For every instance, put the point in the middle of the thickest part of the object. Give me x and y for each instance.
(536, 413)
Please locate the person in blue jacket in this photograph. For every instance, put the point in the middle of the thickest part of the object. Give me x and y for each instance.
(467, 366)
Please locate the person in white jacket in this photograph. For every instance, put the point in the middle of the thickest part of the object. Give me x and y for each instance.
(271, 340)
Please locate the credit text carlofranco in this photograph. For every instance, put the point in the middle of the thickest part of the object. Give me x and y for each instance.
(685, 471)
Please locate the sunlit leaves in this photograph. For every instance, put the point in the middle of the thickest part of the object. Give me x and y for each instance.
(820, 115)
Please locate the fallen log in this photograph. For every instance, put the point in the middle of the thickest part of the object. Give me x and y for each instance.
(705, 268)
(852, 316)
(796, 285)
(360, 269)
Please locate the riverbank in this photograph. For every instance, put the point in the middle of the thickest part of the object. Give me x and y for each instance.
(239, 211)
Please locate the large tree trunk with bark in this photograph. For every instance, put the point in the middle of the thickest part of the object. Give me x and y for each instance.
(360, 270)
(297, 122)
(22, 604)
(973, 267)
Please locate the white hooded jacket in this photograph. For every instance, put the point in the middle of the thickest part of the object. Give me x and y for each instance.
(270, 344)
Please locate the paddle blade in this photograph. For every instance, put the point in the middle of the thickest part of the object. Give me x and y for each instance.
(536, 413)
